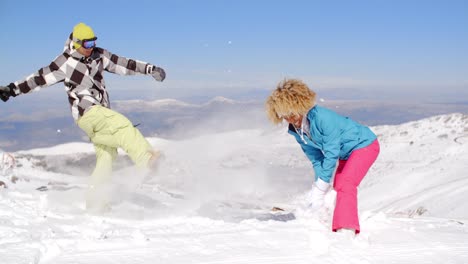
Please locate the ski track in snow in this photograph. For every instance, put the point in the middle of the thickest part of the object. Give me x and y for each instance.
(211, 208)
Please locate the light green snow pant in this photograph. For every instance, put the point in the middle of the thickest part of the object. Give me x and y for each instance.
(109, 130)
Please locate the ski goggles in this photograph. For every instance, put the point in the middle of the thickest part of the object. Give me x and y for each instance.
(89, 43)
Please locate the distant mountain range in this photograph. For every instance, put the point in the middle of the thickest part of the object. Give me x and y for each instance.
(173, 119)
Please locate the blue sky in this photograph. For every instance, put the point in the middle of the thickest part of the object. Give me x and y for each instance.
(406, 49)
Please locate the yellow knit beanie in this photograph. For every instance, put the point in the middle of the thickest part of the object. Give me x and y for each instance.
(80, 32)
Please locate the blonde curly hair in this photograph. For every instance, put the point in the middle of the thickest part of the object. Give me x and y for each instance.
(291, 96)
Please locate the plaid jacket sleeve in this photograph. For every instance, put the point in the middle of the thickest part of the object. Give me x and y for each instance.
(46, 76)
(124, 66)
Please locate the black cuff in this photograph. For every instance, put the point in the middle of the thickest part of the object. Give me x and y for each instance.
(12, 89)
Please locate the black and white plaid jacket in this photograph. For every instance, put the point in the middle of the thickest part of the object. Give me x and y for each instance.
(83, 77)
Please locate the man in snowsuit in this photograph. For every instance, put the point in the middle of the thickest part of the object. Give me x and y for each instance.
(80, 67)
(332, 143)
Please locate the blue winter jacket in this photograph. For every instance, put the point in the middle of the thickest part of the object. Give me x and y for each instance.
(332, 137)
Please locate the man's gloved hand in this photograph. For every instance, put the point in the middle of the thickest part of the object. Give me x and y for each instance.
(5, 93)
(158, 73)
(319, 190)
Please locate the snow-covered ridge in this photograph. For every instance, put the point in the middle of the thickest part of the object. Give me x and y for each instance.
(453, 126)
(139, 105)
(221, 100)
(62, 149)
(136, 105)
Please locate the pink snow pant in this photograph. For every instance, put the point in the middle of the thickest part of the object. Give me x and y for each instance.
(349, 175)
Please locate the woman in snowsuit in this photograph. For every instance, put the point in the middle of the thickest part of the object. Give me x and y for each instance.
(80, 67)
(332, 143)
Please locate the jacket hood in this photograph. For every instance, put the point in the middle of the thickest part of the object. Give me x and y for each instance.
(69, 49)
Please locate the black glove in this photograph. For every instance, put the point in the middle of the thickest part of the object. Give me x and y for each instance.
(5, 93)
(158, 74)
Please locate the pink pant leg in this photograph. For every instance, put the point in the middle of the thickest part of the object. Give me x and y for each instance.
(348, 176)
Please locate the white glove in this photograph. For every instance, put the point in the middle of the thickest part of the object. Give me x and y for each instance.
(319, 189)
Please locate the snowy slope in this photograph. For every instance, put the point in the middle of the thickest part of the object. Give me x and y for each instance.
(210, 199)
(424, 164)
